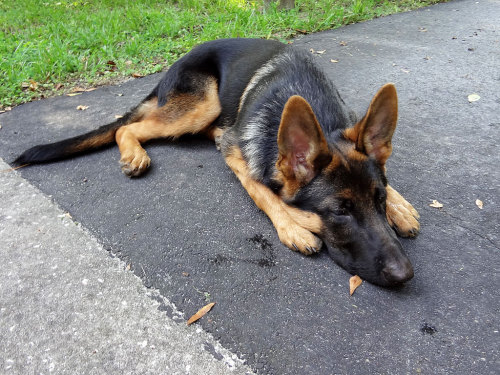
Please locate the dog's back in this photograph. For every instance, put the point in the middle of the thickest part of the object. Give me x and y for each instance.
(287, 73)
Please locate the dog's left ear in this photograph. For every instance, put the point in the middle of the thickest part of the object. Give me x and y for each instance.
(373, 134)
(303, 150)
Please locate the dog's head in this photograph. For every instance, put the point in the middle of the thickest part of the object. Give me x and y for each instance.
(342, 180)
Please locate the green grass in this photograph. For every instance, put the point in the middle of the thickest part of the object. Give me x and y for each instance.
(49, 46)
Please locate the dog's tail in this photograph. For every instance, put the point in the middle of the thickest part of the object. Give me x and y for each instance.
(93, 140)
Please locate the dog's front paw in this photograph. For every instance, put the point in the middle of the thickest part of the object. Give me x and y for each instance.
(299, 239)
(135, 164)
(401, 215)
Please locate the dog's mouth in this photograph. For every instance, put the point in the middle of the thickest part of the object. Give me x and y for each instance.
(386, 273)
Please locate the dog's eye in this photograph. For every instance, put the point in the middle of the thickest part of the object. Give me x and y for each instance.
(344, 208)
(380, 197)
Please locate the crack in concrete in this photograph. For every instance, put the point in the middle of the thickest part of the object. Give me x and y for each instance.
(471, 230)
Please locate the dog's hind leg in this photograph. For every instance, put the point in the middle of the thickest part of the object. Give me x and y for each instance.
(290, 232)
(183, 113)
(401, 215)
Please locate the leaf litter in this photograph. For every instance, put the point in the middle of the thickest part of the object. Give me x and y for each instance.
(354, 283)
(200, 313)
(436, 204)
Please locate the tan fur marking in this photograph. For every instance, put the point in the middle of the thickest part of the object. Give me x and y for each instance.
(306, 219)
(182, 114)
(290, 231)
(401, 215)
(353, 154)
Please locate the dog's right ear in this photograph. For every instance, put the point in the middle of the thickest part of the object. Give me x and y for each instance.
(303, 150)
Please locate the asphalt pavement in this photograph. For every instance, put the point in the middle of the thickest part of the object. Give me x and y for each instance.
(100, 272)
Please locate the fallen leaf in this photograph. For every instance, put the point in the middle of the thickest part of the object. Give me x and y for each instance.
(343, 44)
(436, 204)
(201, 312)
(479, 203)
(317, 52)
(422, 29)
(58, 86)
(128, 267)
(118, 116)
(137, 75)
(473, 98)
(111, 66)
(77, 89)
(82, 107)
(74, 94)
(185, 274)
(354, 283)
(33, 85)
(334, 61)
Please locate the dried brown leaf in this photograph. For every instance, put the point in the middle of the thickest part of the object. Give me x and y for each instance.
(334, 61)
(354, 283)
(82, 107)
(33, 85)
(201, 312)
(137, 75)
(479, 203)
(436, 204)
(77, 89)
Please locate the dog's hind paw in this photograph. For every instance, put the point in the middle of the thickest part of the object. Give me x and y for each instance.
(299, 239)
(401, 215)
(135, 164)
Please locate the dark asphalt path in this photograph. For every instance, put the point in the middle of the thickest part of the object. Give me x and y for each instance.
(189, 229)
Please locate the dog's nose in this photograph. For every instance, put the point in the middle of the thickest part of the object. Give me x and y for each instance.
(398, 272)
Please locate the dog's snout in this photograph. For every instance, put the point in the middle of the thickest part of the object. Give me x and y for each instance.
(398, 272)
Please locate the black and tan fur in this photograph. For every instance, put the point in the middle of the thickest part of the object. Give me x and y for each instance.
(301, 154)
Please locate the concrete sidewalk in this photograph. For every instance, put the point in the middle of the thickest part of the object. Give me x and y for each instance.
(68, 307)
(191, 232)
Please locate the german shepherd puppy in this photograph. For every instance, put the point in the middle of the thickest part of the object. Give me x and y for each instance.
(301, 154)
